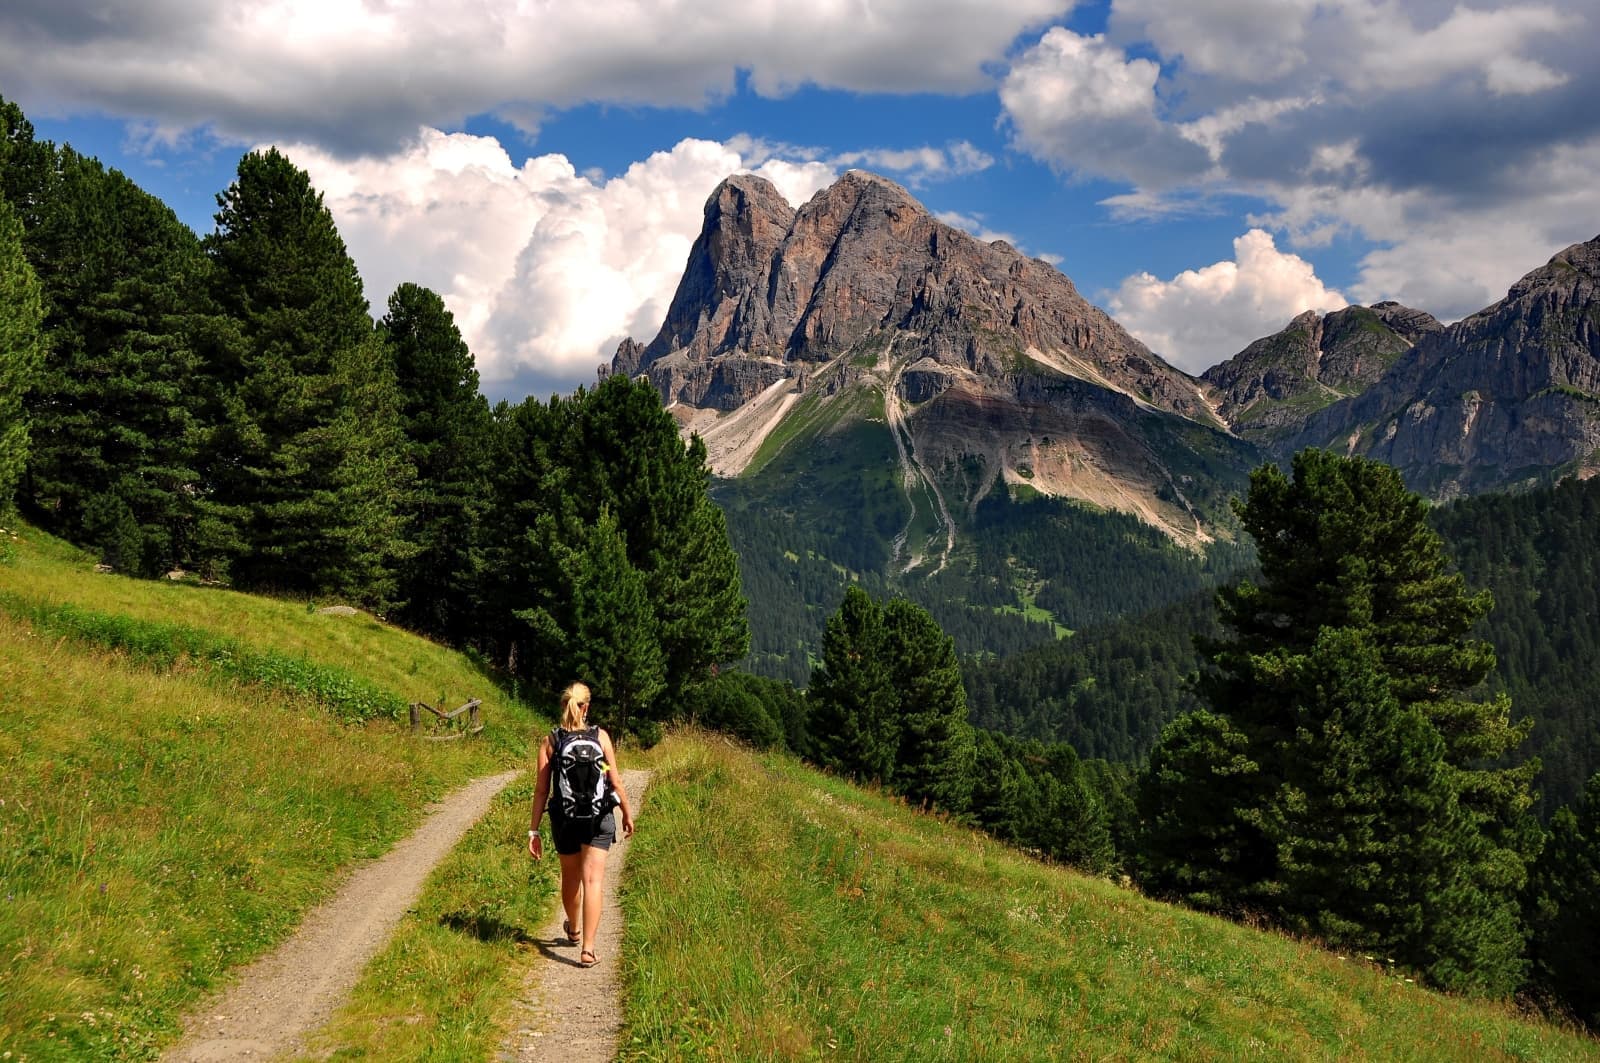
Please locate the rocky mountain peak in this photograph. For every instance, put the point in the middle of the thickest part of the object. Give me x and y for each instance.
(1274, 384)
(1576, 267)
(1509, 393)
(986, 366)
(1409, 324)
(864, 265)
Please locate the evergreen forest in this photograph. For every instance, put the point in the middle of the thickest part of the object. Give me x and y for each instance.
(225, 409)
(1380, 732)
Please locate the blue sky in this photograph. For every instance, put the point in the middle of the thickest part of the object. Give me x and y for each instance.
(1204, 170)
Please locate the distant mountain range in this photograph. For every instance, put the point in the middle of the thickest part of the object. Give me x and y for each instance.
(1504, 399)
(857, 353)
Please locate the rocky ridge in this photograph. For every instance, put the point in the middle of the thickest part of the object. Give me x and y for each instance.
(1503, 398)
(1275, 383)
(981, 354)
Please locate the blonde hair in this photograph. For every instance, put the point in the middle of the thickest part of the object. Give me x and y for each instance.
(574, 704)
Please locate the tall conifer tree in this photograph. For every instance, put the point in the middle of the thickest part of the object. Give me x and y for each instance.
(853, 722)
(446, 422)
(1196, 796)
(936, 757)
(1355, 593)
(26, 164)
(614, 643)
(312, 460)
(20, 350)
(119, 404)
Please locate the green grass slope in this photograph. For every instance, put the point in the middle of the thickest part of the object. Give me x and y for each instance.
(165, 816)
(774, 913)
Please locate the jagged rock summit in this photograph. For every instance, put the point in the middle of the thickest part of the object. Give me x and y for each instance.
(1278, 381)
(982, 357)
(1507, 397)
(773, 293)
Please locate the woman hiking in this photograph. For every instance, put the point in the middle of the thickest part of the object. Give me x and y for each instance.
(581, 783)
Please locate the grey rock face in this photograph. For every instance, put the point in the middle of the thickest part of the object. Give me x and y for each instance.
(1273, 385)
(863, 265)
(1506, 396)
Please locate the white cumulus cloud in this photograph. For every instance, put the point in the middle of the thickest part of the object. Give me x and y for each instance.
(1203, 316)
(545, 269)
(1082, 105)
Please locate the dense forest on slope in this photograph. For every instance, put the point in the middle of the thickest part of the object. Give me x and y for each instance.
(226, 409)
(1025, 571)
(1539, 554)
(1108, 690)
(1111, 689)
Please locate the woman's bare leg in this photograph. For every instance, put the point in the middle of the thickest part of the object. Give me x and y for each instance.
(594, 875)
(572, 885)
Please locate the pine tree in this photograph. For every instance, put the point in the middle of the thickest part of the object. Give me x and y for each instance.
(937, 755)
(118, 404)
(1197, 838)
(1564, 909)
(310, 458)
(20, 351)
(447, 425)
(26, 164)
(1076, 828)
(1356, 595)
(1369, 836)
(613, 642)
(853, 707)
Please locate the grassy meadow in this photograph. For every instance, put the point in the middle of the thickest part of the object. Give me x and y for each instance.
(163, 820)
(774, 913)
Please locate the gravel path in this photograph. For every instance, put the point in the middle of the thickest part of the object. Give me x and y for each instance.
(278, 999)
(567, 1013)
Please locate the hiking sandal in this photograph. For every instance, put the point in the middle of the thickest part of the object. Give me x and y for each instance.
(587, 958)
(573, 937)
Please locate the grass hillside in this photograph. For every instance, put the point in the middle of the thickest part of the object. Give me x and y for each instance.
(183, 781)
(167, 814)
(774, 913)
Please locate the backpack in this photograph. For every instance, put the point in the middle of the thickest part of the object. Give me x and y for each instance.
(580, 788)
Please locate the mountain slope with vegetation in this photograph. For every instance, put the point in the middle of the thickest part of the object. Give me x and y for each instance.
(165, 818)
(1110, 690)
(848, 924)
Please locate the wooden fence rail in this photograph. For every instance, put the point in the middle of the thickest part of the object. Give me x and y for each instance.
(448, 720)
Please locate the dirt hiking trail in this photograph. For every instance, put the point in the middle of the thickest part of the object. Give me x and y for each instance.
(275, 1001)
(567, 1013)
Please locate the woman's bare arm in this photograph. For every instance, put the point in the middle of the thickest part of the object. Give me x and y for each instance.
(614, 773)
(541, 795)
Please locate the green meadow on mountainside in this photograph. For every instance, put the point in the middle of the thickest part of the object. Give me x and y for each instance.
(164, 823)
(775, 913)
